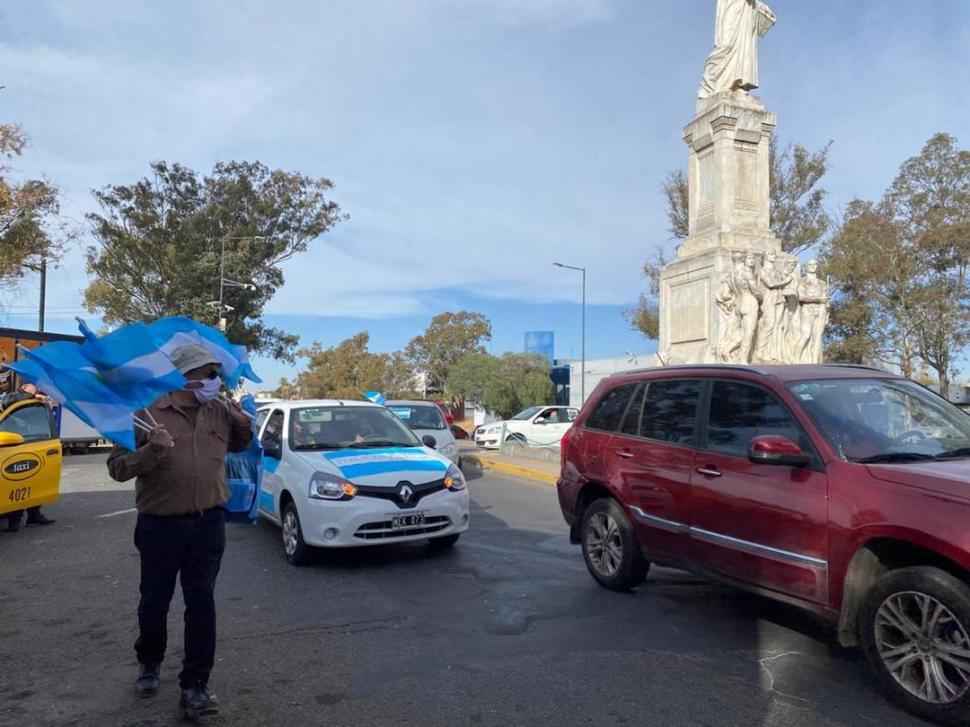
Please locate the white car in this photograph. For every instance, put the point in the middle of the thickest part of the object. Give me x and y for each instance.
(341, 474)
(426, 420)
(537, 425)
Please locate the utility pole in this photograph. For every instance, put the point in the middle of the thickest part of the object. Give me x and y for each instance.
(43, 294)
(582, 373)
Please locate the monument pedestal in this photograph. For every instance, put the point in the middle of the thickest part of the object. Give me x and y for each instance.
(728, 175)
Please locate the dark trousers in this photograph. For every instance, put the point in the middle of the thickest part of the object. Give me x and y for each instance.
(189, 548)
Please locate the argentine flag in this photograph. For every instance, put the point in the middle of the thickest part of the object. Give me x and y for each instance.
(106, 380)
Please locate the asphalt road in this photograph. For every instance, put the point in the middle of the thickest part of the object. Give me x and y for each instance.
(508, 629)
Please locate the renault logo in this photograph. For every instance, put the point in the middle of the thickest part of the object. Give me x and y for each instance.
(405, 493)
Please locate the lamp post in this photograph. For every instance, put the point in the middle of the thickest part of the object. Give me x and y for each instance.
(231, 283)
(582, 373)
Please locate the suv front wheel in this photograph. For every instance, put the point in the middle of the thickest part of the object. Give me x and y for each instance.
(610, 546)
(915, 630)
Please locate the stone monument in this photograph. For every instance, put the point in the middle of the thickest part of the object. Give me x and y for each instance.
(731, 295)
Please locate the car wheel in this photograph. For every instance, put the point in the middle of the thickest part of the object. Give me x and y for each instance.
(448, 541)
(914, 627)
(517, 439)
(610, 546)
(295, 548)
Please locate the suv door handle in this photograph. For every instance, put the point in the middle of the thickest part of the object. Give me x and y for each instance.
(709, 471)
(624, 454)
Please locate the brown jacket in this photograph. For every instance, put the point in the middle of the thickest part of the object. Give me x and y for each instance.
(191, 476)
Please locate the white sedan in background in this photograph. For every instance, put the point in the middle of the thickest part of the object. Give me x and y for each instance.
(537, 425)
(341, 474)
(426, 420)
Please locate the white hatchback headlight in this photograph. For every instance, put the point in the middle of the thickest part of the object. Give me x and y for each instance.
(454, 479)
(324, 486)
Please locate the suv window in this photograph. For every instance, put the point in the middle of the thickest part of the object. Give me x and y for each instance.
(631, 422)
(740, 412)
(609, 411)
(670, 411)
(32, 422)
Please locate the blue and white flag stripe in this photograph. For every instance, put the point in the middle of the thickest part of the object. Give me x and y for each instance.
(405, 462)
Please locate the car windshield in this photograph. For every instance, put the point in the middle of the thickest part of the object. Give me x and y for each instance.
(348, 427)
(884, 420)
(527, 414)
(419, 416)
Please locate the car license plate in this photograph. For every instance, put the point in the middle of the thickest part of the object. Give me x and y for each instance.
(411, 520)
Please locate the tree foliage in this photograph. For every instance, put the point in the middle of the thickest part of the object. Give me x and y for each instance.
(506, 384)
(797, 217)
(29, 229)
(160, 239)
(902, 265)
(448, 339)
(348, 369)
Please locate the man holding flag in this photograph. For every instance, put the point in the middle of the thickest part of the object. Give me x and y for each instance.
(181, 483)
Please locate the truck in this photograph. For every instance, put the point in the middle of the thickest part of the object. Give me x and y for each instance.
(75, 435)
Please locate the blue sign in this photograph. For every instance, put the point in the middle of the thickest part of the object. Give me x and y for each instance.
(542, 343)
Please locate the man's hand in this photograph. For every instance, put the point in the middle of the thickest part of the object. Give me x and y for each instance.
(238, 415)
(159, 439)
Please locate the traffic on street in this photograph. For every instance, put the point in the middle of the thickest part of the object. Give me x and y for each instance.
(506, 628)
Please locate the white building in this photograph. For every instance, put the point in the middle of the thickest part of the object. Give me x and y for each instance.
(599, 369)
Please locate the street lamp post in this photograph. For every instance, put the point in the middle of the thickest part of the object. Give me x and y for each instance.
(232, 283)
(582, 373)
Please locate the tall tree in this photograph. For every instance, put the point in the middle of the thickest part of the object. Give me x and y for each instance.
(30, 232)
(876, 273)
(902, 265)
(160, 241)
(931, 201)
(797, 217)
(505, 385)
(347, 370)
(449, 338)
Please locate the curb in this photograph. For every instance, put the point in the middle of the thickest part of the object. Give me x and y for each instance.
(545, 478)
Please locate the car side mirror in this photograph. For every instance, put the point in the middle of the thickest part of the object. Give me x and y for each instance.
(539, 420)
(11, 439)
(428, 441)
(777, 450)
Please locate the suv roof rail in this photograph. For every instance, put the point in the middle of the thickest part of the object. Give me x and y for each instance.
(864, 367)
(693, 367)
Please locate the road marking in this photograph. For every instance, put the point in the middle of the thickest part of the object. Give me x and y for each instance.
(120, 512)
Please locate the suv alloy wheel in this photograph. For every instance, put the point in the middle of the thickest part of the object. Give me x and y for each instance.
(915, 630)
(610, 546)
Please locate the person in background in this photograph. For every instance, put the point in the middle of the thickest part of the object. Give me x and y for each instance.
(180, 484)
(27, 391)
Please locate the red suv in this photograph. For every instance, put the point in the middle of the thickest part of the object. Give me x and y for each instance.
(843, 490)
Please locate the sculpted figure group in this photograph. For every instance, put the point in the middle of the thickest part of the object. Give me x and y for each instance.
(769, 312)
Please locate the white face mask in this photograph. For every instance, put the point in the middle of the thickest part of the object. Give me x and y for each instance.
(209, 390)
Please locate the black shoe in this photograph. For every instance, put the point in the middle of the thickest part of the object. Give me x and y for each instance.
(148, 682)
(40, 519)
(198, 702)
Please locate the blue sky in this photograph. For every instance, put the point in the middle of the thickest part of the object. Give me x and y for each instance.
(472, 142)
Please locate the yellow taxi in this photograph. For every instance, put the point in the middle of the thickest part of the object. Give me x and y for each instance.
(30, 456)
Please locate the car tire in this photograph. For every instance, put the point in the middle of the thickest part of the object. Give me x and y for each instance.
(444, 543)
(295, 549)
(517, 439)
(610, 546)
(916, 615)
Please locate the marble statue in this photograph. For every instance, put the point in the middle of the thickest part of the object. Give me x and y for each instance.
(814, 299)
(728, 315)
(733, 64)
(769, 327)
(788, 338)
(749, 304)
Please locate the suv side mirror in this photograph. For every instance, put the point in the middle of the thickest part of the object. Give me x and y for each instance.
(10, 439)
(428, 441)
(777, 450)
